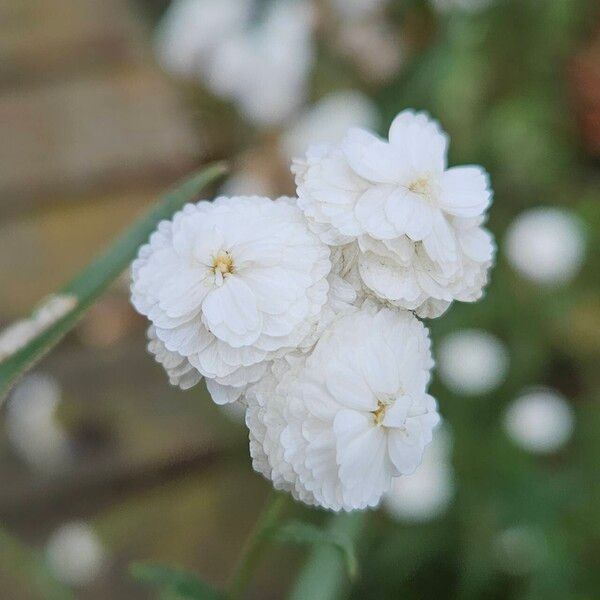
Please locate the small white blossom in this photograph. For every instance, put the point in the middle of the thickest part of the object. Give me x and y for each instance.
(426, 493)
(540, 421)
(472, 361)
(546, 245)
(190, 31)
(31, 423)
(417, 223)
(230, 285)
(334, 427)
(75, 554)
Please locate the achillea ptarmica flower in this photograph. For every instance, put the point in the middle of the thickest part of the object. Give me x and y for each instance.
(417, 222)
(335, 426)
(539, 421)
(229, 286)
(472, 361)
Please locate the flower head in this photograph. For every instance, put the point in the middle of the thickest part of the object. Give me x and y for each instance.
(228, 286)
(340, 423)
(417, 223)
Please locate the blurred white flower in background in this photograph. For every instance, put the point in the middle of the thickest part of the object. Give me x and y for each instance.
(519, 549)
(31, 424)
(465, 5)
(546, 245)
(539, 421)
(74, 553)
(472, 361)
(264, 69)
(191, 29)
(328, 120)
(427, 493)
(254, 54)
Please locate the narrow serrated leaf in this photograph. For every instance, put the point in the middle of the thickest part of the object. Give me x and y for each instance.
(33, 337)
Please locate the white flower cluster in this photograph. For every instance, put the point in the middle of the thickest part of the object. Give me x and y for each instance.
(300, 309)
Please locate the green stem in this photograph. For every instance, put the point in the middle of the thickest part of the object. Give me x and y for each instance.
(257, 543)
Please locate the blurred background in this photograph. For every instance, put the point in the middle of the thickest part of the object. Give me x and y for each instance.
(104, 103)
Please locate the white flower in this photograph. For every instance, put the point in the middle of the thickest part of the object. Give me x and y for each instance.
(472, 361)
(328, 120)
(416, 222)
(540, 421)
(230, 285)
(426, 493)
(546, 245)
(191, 29)
(75, 554)
(32, 426)
(337, 425)
(265, 67)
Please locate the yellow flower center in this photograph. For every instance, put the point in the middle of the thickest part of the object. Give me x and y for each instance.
(223, 263)
(379, 412)
(420, 186)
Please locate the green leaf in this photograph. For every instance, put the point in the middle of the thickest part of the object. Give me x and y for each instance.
(322, 577)
(175, 583)
(299, 532)
(59, 313)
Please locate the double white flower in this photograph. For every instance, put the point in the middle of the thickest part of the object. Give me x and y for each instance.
(228, 286)
(297, 308)
(416, 223)
(334, 427)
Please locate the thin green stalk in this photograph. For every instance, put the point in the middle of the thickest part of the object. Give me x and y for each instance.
(257, 543)
(324, 576)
